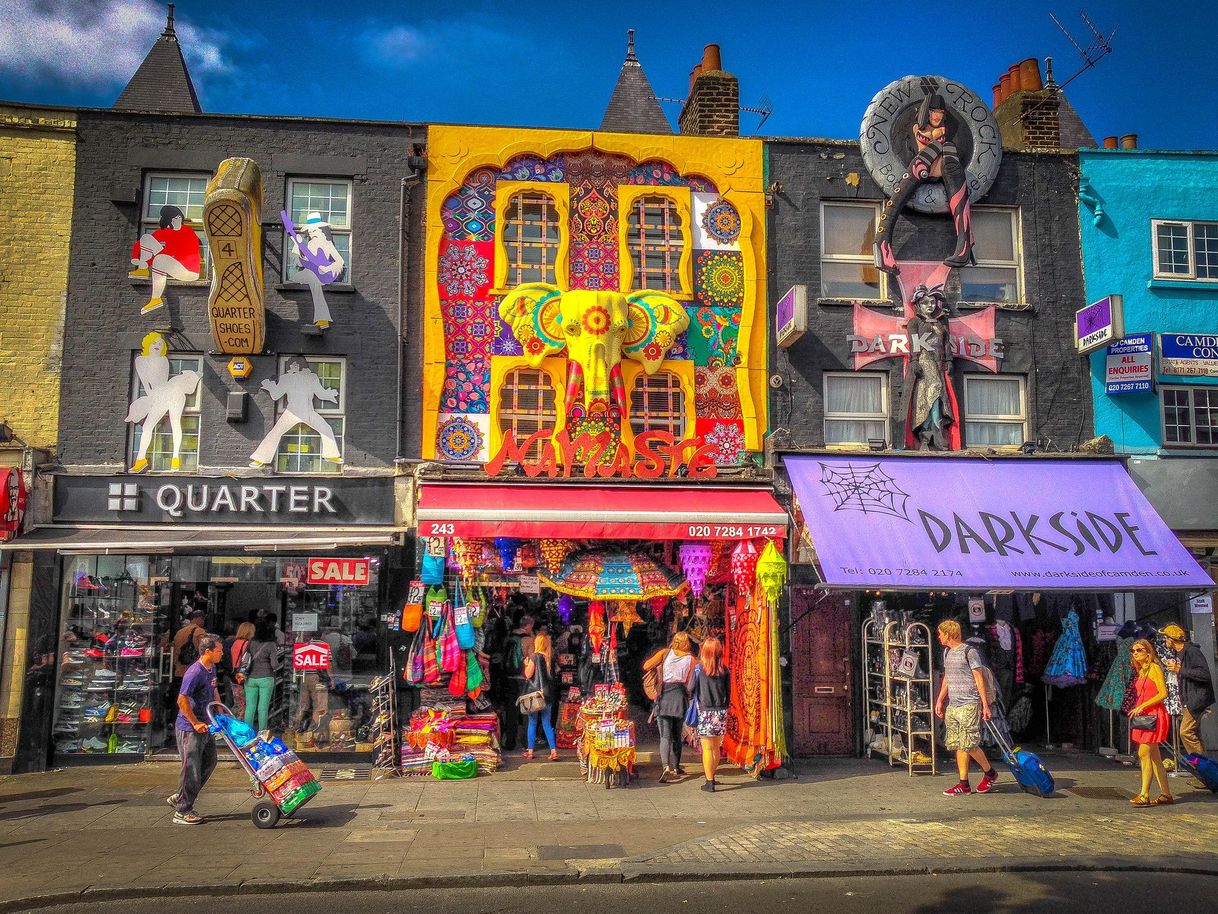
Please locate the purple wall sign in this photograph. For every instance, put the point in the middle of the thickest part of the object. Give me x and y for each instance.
(1098, 324)
(961, 524)
(791, 316)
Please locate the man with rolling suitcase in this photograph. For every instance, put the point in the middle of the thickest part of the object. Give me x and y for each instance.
(963, 704)
(1196, 686)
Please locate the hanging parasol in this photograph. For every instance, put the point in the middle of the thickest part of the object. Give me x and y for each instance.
(614, 574)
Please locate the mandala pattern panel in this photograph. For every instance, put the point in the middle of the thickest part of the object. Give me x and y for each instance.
(719, 278)
(534, 168)
(716, 395)
(469, 214)
(465, 386)
(463, 436)
(712, 336)
(465, 269)
(656, 174)
(680, 349)
(727, 438)
(473, 338)
(594, 265)
(594, 214)
(717, 223)
(600, 169)
(505, 342)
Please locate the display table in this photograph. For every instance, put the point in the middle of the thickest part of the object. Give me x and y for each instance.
(606, 746)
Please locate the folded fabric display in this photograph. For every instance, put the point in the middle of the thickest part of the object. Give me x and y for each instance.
(442, 734)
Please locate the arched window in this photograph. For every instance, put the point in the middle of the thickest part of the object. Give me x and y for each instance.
(526, 406)
(657, 403)
(654, 238)
(531, 239)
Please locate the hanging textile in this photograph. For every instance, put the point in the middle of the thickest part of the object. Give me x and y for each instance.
(1068, 664)
(1116, 683)
(754, 738)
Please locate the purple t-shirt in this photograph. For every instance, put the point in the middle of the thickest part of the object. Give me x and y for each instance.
(199, 687)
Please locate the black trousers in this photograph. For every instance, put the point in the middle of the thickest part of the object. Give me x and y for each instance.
(670, 740)
(198, 754)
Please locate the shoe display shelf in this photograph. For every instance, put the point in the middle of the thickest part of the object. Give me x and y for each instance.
(107, 670)
(383, 728)
(898, 667)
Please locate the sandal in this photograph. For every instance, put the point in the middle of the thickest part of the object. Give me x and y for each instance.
(554, 755)
(1163, 799)
(528, 754)
(1141, 800)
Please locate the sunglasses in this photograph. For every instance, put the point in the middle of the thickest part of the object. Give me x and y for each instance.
(1139, 650)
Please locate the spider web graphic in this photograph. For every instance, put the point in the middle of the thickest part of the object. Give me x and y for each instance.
(864, 488)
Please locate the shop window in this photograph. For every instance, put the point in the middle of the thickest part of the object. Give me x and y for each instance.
(1185, 250)
(331, 200)
(657, 403)
(847, 258)
(160, 452)
(655, 240)
(856, 407)
(997, 276)
(995, 411)
(527, 406)
(1190, 416)
(531, 235)
(186, 192)
(300, 450)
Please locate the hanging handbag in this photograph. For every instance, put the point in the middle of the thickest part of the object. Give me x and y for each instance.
(448, 651)
(473, 672)
(413, 668)
(477, 610)
(457, 681)
(534, 700)
(651, 682)
(412, 609)
(431, 668)
(436, 603)
(433, 569)
(1143, 722)
(461, 623)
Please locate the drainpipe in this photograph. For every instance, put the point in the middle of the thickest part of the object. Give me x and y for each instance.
(417, 164)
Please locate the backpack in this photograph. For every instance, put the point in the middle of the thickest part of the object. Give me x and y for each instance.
(188, 653)
(988, 681)
(514, 662)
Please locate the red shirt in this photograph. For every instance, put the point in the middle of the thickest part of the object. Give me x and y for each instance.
(182, 245)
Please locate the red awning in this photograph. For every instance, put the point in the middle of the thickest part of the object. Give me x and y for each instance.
(598, 512)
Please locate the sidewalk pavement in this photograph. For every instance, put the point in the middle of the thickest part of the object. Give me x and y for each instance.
(104, 832)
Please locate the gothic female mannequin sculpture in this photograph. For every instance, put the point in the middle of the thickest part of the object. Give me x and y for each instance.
(929, 402)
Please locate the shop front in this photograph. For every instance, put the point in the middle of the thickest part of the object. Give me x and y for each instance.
(306, 561)
(1038, 558)
(611, 571)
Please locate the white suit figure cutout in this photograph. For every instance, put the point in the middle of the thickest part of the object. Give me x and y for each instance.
(163, 396)
(299, 385)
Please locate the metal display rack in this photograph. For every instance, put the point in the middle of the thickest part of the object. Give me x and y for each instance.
(384, 728)
(900, 704)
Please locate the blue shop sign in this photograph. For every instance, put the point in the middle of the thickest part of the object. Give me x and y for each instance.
(1189, 354)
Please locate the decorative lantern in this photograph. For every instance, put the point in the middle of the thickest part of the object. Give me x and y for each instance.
(553, 552)
(771, 573)
(467, 553)
(720, 563)
(627, 612)
(565, 607)
(695, 560)
(507, 548)
(596, 625)
(744, 565)
(657, 605)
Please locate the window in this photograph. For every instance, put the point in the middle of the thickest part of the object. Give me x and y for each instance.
(994, 411)
(186, 192)
(531, 239)
(331, 200)
(160, 451)
(996, 277)
(657, 403)
(526, 406)
(1186, 250)
(301, 449)
(856, 407)
(1190, 416)
(847, 255)
(655, 241)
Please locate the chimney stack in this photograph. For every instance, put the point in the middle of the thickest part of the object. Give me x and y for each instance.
(1027, 110)
(713, 105)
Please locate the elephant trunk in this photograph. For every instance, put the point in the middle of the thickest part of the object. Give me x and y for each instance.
(596, 371)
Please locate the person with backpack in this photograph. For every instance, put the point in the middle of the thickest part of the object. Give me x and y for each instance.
(517, 648)
(186, 644)
(963, 703)
(262, 663)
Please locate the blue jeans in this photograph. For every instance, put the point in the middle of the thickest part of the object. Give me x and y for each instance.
(544, 716)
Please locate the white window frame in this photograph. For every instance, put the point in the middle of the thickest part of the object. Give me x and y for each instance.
(885, 416)
(349, 231)
(152, 223)
(326, 410)
(996, 419)
(1015, 215)
(1192, 417)
(867, 259)
(193, 410)
(1189, 228)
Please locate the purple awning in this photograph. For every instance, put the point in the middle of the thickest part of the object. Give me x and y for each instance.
(939, 523)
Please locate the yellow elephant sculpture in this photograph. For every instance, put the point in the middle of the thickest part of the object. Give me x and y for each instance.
(597, 329)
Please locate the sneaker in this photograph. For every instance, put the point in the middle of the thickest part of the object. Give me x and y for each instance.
(67, 746)
(107, 676)
(958, 790)
(187, 818)
(97, 713)
(65, 728)
(72, 702)
(708, 786)
(152, 305)
(172, 800)
(667, 775)
(130, 747)
(96, 744)
(987, 782)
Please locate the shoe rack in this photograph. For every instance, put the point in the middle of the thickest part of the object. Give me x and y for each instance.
(898, 669)
(383, 728)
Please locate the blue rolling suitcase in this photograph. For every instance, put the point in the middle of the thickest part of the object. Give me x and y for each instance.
(1204, 768)
(1029, 771)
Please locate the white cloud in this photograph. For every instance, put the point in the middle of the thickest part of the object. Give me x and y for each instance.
(434, 40)
(101, 41)
(401, 42)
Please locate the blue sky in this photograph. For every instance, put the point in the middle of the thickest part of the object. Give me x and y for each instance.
(554, 64)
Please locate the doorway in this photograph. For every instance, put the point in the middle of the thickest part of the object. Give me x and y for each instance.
(822, 671)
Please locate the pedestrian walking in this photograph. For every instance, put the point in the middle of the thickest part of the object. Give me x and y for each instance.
(963, 704)
(236, 653)
(539, 677)
(517, 648)
(264, 663)
(1149, 724)
(196, 747)
(713, 690)
(1196, 686)
(676, 679)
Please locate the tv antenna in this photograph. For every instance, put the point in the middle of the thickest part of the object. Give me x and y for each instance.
(1099, 48)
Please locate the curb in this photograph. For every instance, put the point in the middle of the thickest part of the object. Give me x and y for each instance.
(627, 872)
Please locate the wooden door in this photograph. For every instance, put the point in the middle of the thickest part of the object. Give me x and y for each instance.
(822, 671)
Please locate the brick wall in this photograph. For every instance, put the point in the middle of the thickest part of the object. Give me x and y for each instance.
(1029, 120)
(37, 162)
(713, 106)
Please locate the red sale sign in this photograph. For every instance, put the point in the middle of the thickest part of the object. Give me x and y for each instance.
(351, 572)
(311, 657)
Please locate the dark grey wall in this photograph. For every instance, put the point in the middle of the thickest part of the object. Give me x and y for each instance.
(1039, 341)
(104, 326)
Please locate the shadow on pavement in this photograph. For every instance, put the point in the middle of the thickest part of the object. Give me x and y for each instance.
(41, 811)
(38, 794)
